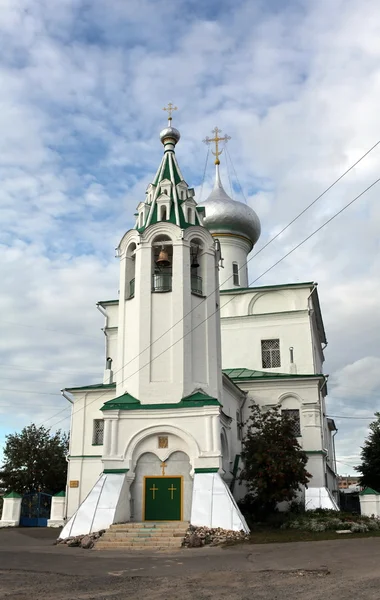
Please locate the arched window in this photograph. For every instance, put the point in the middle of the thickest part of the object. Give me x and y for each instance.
(196, 270)
(189, 215)
(235, 274)
(162, 264)
(163, 213)
(130, 271)
(182, 195)
(141, 218)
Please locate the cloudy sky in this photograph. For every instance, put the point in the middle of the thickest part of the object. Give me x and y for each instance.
(82, 84)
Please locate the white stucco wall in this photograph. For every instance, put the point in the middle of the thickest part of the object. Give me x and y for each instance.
(249, 317)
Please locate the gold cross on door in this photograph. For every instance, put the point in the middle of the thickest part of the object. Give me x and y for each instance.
(154, 489)
(172, 489)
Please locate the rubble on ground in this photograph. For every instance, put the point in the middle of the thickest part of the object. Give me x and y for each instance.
(201, 536)
(83, 541)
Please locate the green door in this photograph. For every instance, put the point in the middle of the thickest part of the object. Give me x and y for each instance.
(163, 498)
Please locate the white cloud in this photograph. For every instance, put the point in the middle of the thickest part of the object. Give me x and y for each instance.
(82, 90)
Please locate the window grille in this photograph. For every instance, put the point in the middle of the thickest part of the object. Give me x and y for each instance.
(98, 432)
(235, 274)
(294, 413)
(270, 354)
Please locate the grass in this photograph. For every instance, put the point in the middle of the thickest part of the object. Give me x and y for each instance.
(272, 536)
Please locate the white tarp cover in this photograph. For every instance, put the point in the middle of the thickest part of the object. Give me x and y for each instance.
(319, 498)
(97, 511)
(213, 504)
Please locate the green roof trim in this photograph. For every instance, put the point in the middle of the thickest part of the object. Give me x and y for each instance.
(86, 456)
(60, 495)
(207, 470)
(128, 402)
(269, 287)
(105, 302)
(369, 492)
(12, 495)
(95, 386)
(239, 374)
(115, 471)
(198, 397)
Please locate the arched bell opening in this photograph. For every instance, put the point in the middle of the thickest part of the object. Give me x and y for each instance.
(162, 264)
(196, 267)
(130, 270)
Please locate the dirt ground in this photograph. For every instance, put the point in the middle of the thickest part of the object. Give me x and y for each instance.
(31, 567)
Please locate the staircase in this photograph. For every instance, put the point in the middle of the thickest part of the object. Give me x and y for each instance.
(163, 535)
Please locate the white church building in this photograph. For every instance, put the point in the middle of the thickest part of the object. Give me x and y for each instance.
(189, 347)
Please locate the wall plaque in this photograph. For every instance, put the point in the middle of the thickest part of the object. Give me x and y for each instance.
(74, 483)
(163, 441)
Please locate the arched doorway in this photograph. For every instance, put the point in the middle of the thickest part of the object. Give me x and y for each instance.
(162, 489)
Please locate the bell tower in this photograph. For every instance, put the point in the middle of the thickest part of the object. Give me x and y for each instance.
(168, 324)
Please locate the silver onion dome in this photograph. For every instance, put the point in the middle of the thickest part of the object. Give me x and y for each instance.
(224, 215)
(170, 134)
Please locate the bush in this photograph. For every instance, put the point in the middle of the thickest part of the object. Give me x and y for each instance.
(359, 528)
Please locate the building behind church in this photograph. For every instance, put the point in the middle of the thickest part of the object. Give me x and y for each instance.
(189, 347)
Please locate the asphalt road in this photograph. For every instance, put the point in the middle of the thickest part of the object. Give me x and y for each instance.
(32, 567)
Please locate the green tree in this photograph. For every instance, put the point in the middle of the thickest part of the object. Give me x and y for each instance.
(370, 457)
(35, 460)
(274, 462)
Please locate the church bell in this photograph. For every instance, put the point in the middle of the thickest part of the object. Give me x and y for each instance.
(194, 261)
(163, 258)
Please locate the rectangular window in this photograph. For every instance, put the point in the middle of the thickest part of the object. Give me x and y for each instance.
(235, 274)
(98, 432)
(295, 414)
(270, 354)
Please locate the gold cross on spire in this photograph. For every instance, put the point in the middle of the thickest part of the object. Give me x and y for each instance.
(170, 108)
(216, 139)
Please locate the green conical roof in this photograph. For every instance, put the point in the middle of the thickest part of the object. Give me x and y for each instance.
(169, 190)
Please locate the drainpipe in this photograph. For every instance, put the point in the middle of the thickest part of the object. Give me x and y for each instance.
(333, 440)
(322, 416)
(67, 455)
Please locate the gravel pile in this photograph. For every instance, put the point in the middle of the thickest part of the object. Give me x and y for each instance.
(83, 541)
(201, 536)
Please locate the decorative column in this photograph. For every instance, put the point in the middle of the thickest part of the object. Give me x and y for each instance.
(208, 426)
(216, 433)
(107, 437)
(11, 510)
(114, 437)
(57, 511)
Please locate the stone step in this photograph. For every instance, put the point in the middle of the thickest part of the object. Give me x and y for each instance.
(142, 540)
(126, 545)
(143, 533)
(137, 548)
(126, 537)
(151, 526)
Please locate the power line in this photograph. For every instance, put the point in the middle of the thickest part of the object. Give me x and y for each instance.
(34, 380)
(267, 270)
(265, 246)
(30, 392)
(61, 331)
(351, 417)
(204, 173)
(234, 170)
(5, 366)
(256, 253)
(56, 415)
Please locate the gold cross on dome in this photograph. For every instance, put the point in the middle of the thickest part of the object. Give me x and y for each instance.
(170, 108)
(154, 489)
(163, 466)
(172, 489)
(216, 139)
